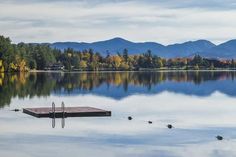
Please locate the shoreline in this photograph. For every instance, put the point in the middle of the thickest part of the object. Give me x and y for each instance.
(149, 70)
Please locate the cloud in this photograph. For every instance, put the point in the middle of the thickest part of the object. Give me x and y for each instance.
(82, 20)
(207, 4)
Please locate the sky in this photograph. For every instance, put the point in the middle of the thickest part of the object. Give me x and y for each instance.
(162, 21)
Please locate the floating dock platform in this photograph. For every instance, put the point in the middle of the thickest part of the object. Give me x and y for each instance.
(57, 112)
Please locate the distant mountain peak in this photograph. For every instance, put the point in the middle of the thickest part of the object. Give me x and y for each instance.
(201, 41)
(205, 42)
(230, 42)
(202, 47)
(116, 39)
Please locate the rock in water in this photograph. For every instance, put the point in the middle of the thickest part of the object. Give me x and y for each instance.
(169, 126)
(219, 137)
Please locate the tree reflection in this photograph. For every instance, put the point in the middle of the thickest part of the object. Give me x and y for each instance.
(43, 84)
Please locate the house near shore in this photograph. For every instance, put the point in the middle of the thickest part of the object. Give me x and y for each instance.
(55, 66)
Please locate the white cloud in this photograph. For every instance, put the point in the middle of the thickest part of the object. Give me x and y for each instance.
(163, 21)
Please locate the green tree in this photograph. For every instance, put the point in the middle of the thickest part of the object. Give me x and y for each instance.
(125, 55)
(197, 60)
(158, 62)
(32, 64)
(6, 51)
(233, 63)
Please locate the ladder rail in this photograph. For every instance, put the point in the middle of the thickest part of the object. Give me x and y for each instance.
(63, 115)
(54, 115)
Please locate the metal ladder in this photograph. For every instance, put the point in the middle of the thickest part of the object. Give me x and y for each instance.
(54, 115)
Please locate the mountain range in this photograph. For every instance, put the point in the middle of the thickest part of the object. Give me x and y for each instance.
(204, 48)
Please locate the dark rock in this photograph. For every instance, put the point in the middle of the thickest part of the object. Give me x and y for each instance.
(16, 110)
(219, 138)
(169, 126)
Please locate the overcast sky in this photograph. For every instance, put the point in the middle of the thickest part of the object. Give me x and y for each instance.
(163, 21)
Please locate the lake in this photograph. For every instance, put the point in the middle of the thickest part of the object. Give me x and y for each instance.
(199, 105)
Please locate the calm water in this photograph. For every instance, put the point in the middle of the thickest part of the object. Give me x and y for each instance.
(200, 106)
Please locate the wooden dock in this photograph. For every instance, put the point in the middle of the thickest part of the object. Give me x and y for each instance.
(48, 112)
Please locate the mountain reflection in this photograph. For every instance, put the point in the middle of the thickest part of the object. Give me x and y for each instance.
(114, 84)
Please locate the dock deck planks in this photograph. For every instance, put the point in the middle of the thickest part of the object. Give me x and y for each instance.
(46, 112)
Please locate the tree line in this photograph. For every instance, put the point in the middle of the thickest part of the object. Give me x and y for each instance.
(24, 57)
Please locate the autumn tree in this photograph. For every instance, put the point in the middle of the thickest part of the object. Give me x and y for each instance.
(83, 65)
(1, 67)
(116, 61)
